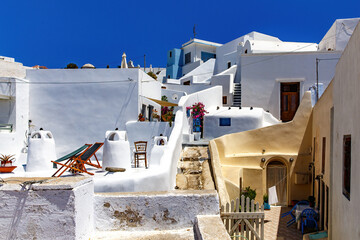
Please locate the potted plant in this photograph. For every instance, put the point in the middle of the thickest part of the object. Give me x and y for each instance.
(155, 115)
(197, 111)
(167, 113)
(141, 118)
(6, 162)
(266, 202)
(249, 193)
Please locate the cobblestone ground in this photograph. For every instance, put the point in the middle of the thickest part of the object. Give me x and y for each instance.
(275, 227)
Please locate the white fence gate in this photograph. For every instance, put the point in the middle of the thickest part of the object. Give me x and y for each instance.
(244, 221)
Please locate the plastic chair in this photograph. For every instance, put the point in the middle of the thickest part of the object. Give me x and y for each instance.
(140, 152)
(309, 221)
(293, 217)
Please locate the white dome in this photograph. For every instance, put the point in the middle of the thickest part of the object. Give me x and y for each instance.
(88, 65)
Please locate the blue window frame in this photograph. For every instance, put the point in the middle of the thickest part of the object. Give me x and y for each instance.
(225, 121)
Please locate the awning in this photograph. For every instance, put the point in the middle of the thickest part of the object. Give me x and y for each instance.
(163, 103)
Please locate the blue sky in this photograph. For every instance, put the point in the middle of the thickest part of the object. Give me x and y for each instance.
(54, 33)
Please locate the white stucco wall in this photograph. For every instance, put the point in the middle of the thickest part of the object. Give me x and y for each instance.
(149, 211)
(11, 68)
(241, 120)
(149, 87)
(172, 95)
(146, 131)
(91, 102)
(338, 35)
(261, 75)
(211, 98)
(260, 46)
(186, 88)
(196, 49)
(55, 209)
(190, 66)
(345, 214)
(200, 74)
(15, 142)
(227, 53)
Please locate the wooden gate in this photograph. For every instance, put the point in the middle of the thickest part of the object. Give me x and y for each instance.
(245, 221)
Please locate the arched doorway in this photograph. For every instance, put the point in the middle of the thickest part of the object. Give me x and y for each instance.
(276, 175)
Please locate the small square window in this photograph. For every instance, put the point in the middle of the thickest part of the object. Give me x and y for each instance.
(225, 121)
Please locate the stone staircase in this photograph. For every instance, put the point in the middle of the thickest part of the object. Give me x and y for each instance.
(237, 95)
(194, 169)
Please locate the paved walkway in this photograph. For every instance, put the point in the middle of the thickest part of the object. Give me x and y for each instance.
(275, 227)
(178, 234)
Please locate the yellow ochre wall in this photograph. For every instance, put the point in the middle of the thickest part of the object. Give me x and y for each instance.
(321, 128)
(240, 154)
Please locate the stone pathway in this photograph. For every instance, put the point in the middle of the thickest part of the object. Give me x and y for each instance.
(275, 227)
(178, 234)
(194, 170)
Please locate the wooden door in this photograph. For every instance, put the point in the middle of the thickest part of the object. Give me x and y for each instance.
(289, 100)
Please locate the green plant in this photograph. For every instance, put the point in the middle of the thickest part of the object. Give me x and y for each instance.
(167, 114)
(5, 159)
(266, 198)
(249, 193)
(72, 66)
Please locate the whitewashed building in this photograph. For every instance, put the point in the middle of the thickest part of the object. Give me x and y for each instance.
(270, 73)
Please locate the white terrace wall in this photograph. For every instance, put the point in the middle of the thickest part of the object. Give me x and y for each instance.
(163, 177)
(262, 74)
(145, 131)
(211, 98)
(12, 69)
(55, 209)
(91, 102)
(155, 210)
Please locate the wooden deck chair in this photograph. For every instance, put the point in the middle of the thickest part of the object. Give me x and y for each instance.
(71, 155)
(78, 162)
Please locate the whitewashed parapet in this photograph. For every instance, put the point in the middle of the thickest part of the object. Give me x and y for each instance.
(153, 210)
(210, 228)
(51, 208)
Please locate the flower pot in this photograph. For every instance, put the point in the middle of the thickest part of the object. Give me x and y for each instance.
(266, 206)
(7, 169)
(197, 136)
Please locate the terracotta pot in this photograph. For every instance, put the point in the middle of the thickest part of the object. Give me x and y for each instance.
(7, 169)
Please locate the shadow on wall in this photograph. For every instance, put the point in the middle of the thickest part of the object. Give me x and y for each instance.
(121, 116)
